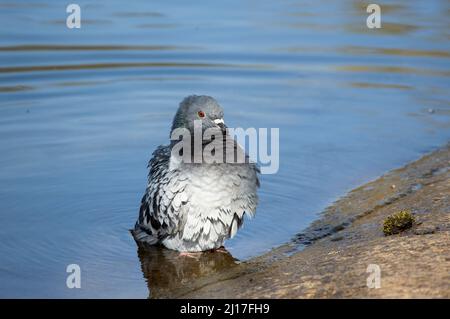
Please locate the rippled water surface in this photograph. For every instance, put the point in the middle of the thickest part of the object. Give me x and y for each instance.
(81, 111)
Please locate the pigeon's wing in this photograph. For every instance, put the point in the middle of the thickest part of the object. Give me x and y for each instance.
(245, 199)
(161, 213)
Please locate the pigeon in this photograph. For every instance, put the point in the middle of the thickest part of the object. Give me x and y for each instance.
(191, 206)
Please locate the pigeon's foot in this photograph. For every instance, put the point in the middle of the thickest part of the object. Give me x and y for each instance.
(195, 255)
(222, 250)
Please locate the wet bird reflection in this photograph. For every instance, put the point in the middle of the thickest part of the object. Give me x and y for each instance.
(170, 275)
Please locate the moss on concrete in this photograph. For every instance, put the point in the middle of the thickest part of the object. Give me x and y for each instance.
(398, 222)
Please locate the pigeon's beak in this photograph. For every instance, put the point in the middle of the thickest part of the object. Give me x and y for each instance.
(220, 123)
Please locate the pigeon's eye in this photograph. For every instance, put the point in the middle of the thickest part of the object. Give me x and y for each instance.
(201, 114)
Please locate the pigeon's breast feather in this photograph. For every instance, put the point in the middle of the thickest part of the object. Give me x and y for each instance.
(224, 187)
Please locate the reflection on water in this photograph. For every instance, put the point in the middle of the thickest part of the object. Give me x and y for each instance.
(82, 110)
(170, 275)
(86, 48)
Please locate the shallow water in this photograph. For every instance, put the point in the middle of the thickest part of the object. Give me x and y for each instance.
(82, 110)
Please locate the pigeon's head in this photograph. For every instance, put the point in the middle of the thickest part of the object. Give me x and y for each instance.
(201, 108)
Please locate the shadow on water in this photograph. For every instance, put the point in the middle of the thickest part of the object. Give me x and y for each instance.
(169, 275)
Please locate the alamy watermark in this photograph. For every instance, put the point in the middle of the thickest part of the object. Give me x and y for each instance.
(227, 145)
(74, 18)
(374, 19)
(374, 279)
(74, 278)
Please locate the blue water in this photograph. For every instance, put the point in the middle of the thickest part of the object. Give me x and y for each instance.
(81, 111)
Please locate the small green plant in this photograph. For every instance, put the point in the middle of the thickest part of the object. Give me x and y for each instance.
(398, 222)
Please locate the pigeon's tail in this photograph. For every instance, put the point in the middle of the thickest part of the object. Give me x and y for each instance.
(141, 235)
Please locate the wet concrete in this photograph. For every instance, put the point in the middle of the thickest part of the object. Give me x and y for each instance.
(330, 258)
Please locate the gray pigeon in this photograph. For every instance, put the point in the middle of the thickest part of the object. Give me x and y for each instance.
(191, 206)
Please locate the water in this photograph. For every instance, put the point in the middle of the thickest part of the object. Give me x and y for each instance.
(82, 110)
